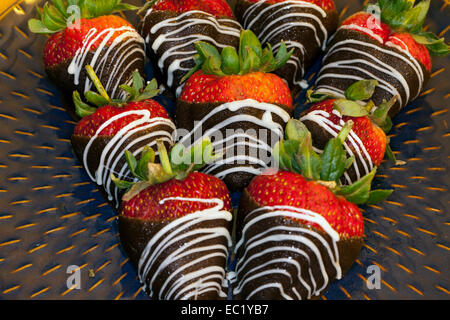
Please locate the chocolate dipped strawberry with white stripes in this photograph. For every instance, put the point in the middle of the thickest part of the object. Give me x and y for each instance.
(175, 224)
(298, 229)
(367, 142)
(304, 25)
(387, 42)
(171, 27)
(109, 127)
(88, 33)
(235, 100)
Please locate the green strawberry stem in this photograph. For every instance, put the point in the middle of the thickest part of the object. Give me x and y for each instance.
(250, 57)
(134, 93)
(97, 83)
(334, 158)
(361, 90)
(297, 154)
(314, 97)
(390, 154)
(296, 130)
(178, 163)
(350, 108)
(56, 16)
(358, 91)
(407, 16)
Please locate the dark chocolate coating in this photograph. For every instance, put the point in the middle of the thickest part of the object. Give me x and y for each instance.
(299, 33)
(185, 38)
(348, 251)
(79, 144)
(342, 83)
(186, 114)
(135, 234)
(59, 74)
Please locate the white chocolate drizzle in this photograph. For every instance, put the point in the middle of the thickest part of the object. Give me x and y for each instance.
(112, 60)
(202, 242)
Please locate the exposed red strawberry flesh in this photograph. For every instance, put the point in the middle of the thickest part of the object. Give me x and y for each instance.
(262, 87)
(368, 24)
(89, 125)
(324, 4)
(63, 45)
(218, 8)
(372, 136)
(147, 204)
(291, 189)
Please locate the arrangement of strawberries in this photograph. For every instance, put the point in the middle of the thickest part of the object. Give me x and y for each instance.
(298, 226)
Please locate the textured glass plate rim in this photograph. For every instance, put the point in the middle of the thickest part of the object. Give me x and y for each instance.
(341, 289)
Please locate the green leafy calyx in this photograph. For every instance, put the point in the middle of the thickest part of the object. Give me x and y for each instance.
(177, 163)
(250, 57)
(56, 15)
(134, 93)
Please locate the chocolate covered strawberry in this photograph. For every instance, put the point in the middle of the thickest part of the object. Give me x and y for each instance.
(386, 43)
(367, 141)
(234, 100)
(109, 127)
(171, 27)
(305, 27)
(175, 224)
(87, 33)
(299, 229)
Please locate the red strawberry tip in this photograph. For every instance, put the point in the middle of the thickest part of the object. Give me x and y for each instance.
(218, 8)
